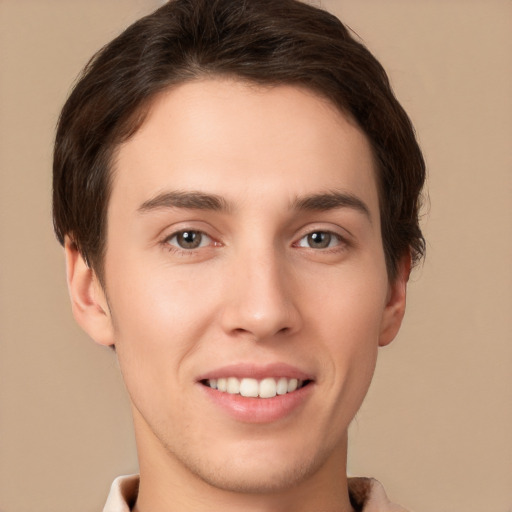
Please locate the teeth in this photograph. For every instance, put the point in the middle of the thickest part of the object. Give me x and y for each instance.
(266, 388)
(249, 387)
(282, 386)
(292, 385)
(233, 386)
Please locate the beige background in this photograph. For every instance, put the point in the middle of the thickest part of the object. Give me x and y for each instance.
(436, 426)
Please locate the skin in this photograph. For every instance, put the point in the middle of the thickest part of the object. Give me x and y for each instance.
(256, 290)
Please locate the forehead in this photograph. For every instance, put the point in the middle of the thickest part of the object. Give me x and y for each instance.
(243, 141)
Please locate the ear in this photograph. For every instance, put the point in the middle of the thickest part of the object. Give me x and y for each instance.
(395, 306)
(88, 300)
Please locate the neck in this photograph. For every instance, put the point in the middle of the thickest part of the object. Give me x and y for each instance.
(168, 485)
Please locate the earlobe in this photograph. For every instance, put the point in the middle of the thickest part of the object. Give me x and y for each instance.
(395, 307)
(88, 300)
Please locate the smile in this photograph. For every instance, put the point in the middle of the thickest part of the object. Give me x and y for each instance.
(265, 388)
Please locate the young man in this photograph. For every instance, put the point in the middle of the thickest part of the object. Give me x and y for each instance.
(237, 191)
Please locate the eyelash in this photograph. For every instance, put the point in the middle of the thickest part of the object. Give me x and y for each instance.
(166, 242)
(340, 242)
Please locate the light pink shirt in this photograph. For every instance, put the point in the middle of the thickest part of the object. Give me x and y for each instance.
(366, 494)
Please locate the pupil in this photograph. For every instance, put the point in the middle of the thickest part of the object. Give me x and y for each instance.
(189, 239)
(319, 240)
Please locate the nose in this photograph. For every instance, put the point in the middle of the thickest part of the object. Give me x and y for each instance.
(260, 302)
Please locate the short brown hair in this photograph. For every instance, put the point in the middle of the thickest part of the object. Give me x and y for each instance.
(262, 41)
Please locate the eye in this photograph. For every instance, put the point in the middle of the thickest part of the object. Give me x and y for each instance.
(320, 240)
(189, 239)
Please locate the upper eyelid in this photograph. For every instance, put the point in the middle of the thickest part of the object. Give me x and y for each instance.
(184, 230)
(193, 225)
(327, 231)
(341, 239)
(336, 230)
(174, 234)
(176, 249)
(342, 233)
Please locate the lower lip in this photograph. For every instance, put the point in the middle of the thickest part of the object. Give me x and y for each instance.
(259, 410)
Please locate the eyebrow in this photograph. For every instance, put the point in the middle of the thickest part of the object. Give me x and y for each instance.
(201, 201)
(179, 199)
(331, 201)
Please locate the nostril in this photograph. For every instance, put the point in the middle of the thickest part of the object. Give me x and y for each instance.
(242, 331)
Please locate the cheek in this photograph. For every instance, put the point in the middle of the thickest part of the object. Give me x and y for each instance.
(352, 345)
(150, 297)
(159, 321)
(349, 301)
(349, 321)
(351, 338)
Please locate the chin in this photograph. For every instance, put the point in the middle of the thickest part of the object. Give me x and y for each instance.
(253, 468)
(240, 477)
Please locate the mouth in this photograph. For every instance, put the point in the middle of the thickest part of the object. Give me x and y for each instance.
(258, 393)
(268, 387)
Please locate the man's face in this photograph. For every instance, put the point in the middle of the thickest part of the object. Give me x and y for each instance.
(244, 251)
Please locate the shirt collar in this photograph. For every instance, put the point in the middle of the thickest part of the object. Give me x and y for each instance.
(366, 495)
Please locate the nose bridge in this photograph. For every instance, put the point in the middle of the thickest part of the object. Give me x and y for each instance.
(259, 296)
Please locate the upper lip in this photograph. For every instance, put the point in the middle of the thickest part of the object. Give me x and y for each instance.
(256, 371)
